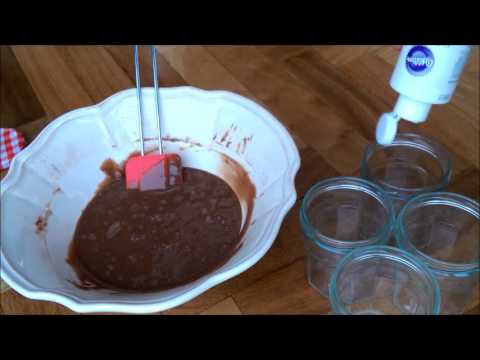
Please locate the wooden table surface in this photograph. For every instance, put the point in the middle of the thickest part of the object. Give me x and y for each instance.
(329, 97)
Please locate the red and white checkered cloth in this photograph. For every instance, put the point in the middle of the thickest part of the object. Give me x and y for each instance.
(11, 143)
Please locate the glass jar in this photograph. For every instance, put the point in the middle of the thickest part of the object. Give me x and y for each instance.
(338, 215)
(410, 165)
(442, 229)
(383, 280)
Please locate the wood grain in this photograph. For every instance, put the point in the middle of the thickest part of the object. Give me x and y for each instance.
(97, 72)
(224, 307)
(167, 76)
(55, 85)
(200, 69)
(14, 303)
(344, 54)
(328, 97)
(3, 287)
(285, 291)
(17, 100)
(466, 183)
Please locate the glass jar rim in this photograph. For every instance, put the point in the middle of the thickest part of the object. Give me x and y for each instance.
(414, 141)
(391, 253)
(442, 198)
(354, 183)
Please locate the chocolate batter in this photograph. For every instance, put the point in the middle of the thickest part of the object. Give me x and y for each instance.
(156, 240)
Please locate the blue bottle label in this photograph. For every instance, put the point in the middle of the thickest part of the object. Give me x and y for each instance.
(419, 60)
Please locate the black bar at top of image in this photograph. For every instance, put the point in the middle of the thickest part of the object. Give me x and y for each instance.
(235, 24)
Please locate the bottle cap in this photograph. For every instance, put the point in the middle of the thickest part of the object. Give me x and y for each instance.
(387, 128)
(411, 110)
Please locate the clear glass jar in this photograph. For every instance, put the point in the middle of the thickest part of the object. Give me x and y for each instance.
(442, 229)
(338, 215)
(383, 280)
(412, 164)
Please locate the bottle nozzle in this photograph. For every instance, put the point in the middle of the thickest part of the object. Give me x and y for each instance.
(387, 128)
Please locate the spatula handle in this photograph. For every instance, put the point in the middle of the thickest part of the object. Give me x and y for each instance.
(156, 94)
(139, 98)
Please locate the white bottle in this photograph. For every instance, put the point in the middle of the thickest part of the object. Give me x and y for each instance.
(424, 75)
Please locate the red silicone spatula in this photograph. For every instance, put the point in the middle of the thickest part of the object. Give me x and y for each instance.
(154, 171)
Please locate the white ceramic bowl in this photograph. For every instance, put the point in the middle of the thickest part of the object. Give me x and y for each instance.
(56, 176)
